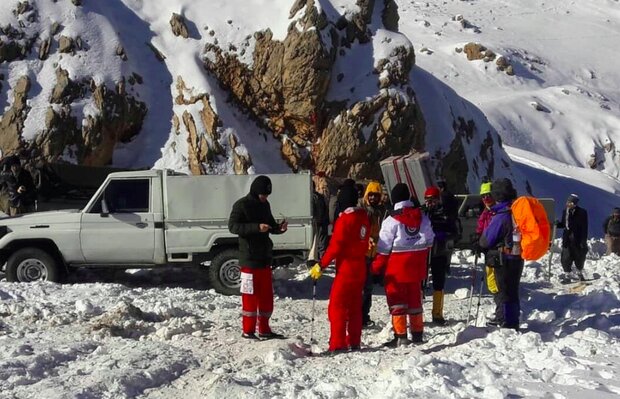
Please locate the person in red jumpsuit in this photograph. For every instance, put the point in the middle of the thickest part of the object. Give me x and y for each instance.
(348, 246)
(402, 250)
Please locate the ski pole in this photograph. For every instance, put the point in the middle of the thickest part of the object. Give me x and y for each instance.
(473, 284)
(551, 252)
(479, 296)
(313, 306)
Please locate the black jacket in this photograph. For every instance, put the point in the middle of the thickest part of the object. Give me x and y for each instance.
(611, 226)
(255, 248)
(575, 228)
(320, 212)
(12, 183)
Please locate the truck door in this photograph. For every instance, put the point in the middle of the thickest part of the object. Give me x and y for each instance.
(119, 227)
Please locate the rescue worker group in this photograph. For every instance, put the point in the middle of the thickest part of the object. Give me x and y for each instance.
(402, 246)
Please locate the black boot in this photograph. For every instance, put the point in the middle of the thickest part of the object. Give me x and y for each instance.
(270, 335)
(249, 336)
(416, 337)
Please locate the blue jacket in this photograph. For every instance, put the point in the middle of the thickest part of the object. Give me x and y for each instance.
(499, 232)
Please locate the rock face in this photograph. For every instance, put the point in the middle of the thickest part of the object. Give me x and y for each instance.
(114, 116)
(179, 28)
(12, 122)
(285, 89)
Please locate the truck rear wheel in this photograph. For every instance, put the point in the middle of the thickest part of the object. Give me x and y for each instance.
(32, 264)
(225, 272)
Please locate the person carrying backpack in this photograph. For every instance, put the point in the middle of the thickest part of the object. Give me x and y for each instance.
(503, 251)
(574, 238)
(483, 222)
(611, 228)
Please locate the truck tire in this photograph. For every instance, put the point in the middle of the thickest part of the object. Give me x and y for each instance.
(225, 272)
(32, 264)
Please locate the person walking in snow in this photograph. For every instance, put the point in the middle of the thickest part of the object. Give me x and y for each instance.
(348, 246)
(376, 213)
(444, 227)
(252, 221)
(611, 228)
(574, 238)
(503, 253)
(404, 241)
(483, 222)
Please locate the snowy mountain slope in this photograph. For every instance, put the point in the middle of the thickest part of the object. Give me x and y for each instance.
(110, 340)
(562, 56)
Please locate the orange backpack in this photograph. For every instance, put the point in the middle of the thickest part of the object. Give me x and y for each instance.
(530, 217)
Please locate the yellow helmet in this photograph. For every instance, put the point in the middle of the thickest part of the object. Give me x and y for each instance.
(485, 188)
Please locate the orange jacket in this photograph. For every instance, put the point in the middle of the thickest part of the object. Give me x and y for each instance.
(349, 244)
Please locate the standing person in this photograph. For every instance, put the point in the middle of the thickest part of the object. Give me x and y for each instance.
(348, 247)
(483, 222)
(337, 207)
(574, 238)
(448, 201)
(503, 253)
(252, 221)
(444, 227)
(402, 251)
(376, 213)
(20, 187)
(320, 225)
(611, 228)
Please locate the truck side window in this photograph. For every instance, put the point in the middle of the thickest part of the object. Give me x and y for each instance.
(125, 196)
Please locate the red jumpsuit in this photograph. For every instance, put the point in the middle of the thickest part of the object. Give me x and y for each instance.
(348, 246)
(402, 251)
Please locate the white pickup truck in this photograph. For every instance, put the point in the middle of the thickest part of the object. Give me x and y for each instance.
(154, 218)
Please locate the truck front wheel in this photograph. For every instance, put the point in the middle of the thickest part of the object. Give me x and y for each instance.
(32, 264)
(225, 272)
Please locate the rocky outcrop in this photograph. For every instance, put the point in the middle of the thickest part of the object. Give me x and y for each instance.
(12, 121)
(118, 118)
(179, 28)
(203, 144)
(285, 91)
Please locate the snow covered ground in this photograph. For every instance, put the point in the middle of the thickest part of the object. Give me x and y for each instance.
(162, 335)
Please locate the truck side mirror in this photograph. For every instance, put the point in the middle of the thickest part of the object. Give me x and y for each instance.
(104, 209)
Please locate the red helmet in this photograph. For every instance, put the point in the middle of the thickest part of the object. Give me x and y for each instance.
(432, 191)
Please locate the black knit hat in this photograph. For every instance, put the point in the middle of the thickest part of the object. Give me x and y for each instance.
(573, 198)
(400, 192)
(347, 197)
(502, 190)
(261, 186)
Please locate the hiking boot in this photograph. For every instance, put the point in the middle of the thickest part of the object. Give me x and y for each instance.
(440, 321)
(416, 337)
(368, 324)
(396, 342)
(495, 323)
(564, 278)
(581, 277)
(270, 335)
(249, 336)
(354, 348)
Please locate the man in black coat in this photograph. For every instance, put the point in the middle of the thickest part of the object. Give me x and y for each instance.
(252, 221)
(574, 238)
(20, 187)
(320, 224)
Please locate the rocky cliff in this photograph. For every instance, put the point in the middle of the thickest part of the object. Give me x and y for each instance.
(332, 92)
